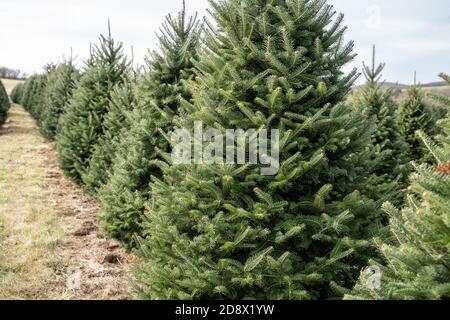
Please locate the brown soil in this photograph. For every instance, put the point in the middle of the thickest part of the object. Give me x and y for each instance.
(103, 264)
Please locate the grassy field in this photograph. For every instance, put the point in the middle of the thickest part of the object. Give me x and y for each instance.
(10, 84)
(441, 90)
(28, 231)
(48, 226)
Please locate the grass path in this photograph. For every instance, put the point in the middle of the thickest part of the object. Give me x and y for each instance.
(48, 227)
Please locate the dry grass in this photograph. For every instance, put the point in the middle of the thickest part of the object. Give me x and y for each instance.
(28, 230)
(47, 225)
(10, 84)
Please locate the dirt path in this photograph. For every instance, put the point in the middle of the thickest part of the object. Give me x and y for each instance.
(49, 235)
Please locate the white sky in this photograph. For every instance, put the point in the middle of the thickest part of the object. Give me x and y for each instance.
(409, 34)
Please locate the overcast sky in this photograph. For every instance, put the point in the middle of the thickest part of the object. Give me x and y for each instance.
(409, 34)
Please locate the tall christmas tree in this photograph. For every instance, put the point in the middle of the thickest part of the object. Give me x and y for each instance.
(389, 150)
(217, 231)
(4, 103)
(141, 147)
(413, 116)
(123, 100)
(60, 86)
(81, 126)
(416, 262)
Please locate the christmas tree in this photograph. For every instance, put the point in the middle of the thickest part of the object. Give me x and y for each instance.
(61, 83)
(17, 93)
(28, 90)
(116, 121)
(35, 95)
(413, 116)
(143, 145)
(4, 103)
(389, 150)
(416, 260)
(215, 231)
(81, 126)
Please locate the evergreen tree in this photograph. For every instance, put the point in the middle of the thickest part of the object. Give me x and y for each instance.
(141, 147)
(61, 83)
(34, 101)
(116, 120)
(226, 231)
(389, 150)
(416, 261)
(413, 117)
(4, 103)
(17, 93)
(28, 90)
(81, 126)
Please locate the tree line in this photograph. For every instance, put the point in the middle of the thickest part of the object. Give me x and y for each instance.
(7, 73)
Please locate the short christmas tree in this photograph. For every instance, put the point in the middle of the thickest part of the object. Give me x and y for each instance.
(26, 92)
(60, 86)
(225, 231)
(33, 93)
(413, 116)
(416, 260)
(158, 93)
(389, 150)
(81, 126)
(17, 93)
(4, 103)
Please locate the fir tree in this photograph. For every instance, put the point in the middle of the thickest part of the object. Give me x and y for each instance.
(17, 93)
(416, 261)
(61, 83)
(4, 103)
(35, 96)
(81, 126)
(141, 147)
(413, 116)
(116, 121)
(226, 231)
(389, 150)
(28, 91)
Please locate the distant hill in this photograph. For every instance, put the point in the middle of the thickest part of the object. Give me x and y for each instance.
(435, 87)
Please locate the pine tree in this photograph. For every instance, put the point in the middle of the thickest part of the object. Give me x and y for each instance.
(226, 231)
(416, 262)
(81, 126)
(61, 83)
(141, 147)
(389, 150)
(413, 117)
(4, 103)
(17, 93)
(123, 101)
(35, 96)
(28, 90)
